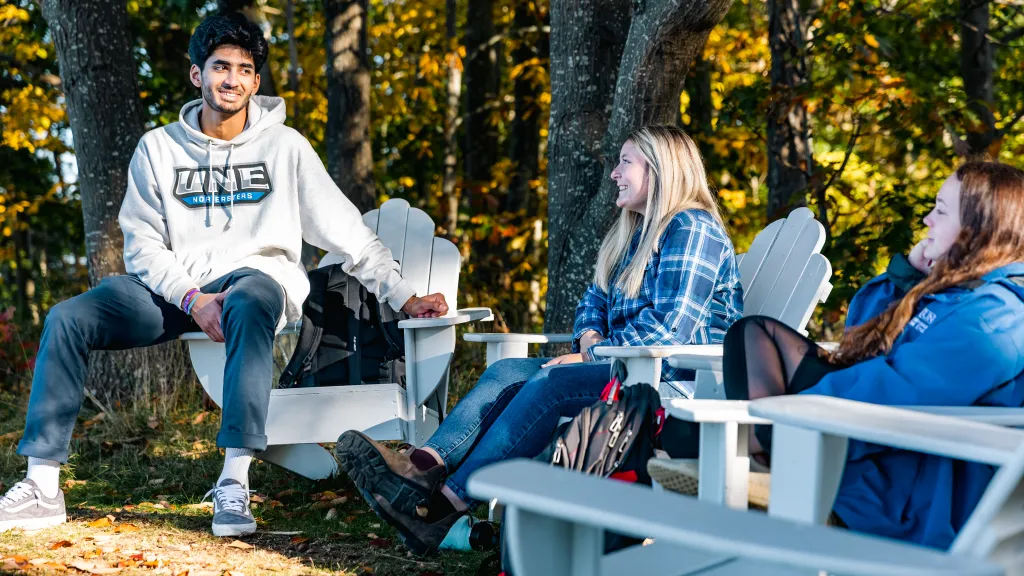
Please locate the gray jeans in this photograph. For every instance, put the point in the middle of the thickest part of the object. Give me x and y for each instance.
(122, 313)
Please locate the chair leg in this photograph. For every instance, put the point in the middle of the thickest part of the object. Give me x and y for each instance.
(308, 460)
(807, 467)
(544, 546)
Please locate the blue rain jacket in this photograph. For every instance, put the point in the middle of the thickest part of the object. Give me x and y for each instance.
(963, 347)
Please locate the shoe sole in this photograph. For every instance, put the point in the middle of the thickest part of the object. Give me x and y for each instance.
(234, 529)
(370, 473)
(33, 523)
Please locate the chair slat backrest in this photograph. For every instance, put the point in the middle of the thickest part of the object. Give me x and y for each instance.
(784, 275)
(430, 264)
(995, 529)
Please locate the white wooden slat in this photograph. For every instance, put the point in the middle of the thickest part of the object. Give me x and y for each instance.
(791, 274)
(803, 297)
(419, 244)
(896, 427)
(752, 259)
(998, 514)
(792, 242)
(677, 520)
(394, 215)
(446, 263)
(306, 415)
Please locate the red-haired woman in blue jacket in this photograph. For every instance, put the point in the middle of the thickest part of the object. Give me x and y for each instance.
(943, 327)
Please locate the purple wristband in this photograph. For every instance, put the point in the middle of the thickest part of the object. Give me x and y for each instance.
(189, 300)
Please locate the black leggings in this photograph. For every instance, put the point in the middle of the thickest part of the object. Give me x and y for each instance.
(761, 357)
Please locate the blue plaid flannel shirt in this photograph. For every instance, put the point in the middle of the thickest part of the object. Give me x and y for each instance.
(691, 294)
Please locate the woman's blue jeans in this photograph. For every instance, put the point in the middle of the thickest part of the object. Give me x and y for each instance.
(512, 412)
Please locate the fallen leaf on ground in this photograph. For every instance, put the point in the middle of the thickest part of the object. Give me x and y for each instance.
(73, 483)
(321, 505)
(126, 528)
(284, 493)
(331, 514)
(339, 501)
(156, 481)
(95, 419)
(10, 436)
(61, 544)
(153, 423)
(200, 505)
(274, 504)
(93, 567)
(380, 543)
(372, 536)
(99, 523)
(298, 539)
(199, 417)
(257, 498)
(240, 545)
(374, 525)
(328, 495)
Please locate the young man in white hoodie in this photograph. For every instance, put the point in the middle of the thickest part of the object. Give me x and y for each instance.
(216, 210)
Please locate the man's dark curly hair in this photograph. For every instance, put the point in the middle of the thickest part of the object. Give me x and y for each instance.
(232, 29)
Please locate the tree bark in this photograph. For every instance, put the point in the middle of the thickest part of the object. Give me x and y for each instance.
(610, 74)
(349, 154)
(481, 135)
(449, 189)
(977, 70)
(790, 159)
(524, 134)
(98, 77)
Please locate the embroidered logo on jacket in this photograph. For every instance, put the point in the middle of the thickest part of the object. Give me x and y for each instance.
(248, 183)
(923, 320)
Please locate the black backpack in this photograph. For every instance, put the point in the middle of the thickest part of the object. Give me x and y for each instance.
(615, 437)
(346, 337)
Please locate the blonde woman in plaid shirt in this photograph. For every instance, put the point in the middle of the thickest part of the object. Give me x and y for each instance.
(666, 274)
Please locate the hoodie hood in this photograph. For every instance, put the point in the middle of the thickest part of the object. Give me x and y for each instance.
(264, 112)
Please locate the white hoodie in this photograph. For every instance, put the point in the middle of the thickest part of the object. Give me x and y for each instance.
(269, 192)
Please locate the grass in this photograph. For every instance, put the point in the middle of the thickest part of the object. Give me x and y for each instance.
(133, 488)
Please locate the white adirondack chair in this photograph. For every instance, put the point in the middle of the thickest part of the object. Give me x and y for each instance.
(555, 519)
(783, 276)
(300, 418)
(725, 425)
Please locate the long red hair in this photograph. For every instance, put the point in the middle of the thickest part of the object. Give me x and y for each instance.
(992, 235)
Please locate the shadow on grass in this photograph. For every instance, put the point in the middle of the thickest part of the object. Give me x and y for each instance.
(152, 473)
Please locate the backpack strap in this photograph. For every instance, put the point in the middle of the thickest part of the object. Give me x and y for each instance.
(310, 331)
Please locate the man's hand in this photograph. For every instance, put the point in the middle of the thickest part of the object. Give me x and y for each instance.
(207, 312)
(564, 359)
(429, 306)
(917, 259)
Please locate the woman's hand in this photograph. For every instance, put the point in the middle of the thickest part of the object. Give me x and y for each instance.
(565, 359)
(917, 259)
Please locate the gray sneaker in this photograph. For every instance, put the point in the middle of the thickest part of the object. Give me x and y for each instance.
(24, 506)
(231, 514)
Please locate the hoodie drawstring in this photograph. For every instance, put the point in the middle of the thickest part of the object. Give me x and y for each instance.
(231, 211)
(209, 181)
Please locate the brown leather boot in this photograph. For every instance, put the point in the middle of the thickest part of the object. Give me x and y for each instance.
(422, 531)
(382, 472)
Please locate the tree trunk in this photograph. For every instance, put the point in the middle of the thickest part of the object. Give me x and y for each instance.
(449, 190)
(610, 74)
(524, 134)
(95, 56)
(790, 160)
(481, 135)
(293, 61)
(349, 154)
(976, 69)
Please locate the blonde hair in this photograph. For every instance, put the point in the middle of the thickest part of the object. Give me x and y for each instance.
(676, 182)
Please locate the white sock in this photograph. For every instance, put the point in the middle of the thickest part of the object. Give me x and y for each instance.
(236, 465)
(46, 475)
